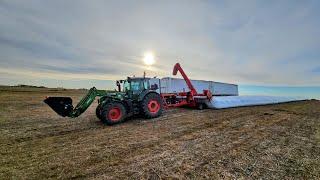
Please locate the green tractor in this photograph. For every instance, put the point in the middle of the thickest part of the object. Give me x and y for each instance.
(138, 96)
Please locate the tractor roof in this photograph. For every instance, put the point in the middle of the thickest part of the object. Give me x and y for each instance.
(138, 78)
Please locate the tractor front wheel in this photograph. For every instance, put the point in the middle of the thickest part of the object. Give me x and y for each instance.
(113, 113)
(98, 111)
(152, 105)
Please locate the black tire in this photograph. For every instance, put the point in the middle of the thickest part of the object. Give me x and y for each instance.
(111, 118)
(98, 111)
(152, 105)
(201, 106)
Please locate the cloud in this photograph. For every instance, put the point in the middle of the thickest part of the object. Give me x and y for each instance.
(316, 70)
(244, 42)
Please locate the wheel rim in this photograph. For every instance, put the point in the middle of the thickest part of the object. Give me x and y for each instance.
(114, 114)
(153, 106)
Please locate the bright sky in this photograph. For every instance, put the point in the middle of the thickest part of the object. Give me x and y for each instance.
(71, 43)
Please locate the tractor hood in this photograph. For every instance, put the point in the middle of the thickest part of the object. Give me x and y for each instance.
(116, 95)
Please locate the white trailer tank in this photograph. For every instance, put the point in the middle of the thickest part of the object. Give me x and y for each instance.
(174, 85)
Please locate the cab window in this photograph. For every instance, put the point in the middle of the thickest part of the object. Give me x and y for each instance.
(135, 85)
(146, 84)
(126, 86)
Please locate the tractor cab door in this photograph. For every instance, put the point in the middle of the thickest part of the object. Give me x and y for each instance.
(154, 85)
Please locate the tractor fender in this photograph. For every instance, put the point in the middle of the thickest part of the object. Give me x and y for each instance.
(144, 93)
(105, 100)
(125, 103)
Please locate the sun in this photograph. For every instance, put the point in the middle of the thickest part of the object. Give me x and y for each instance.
(148, 58)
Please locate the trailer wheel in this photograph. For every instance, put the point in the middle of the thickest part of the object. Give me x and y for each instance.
(201, 106)
(113, 113)
(152, 105)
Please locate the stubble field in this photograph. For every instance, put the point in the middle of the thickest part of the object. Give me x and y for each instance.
(273, 141)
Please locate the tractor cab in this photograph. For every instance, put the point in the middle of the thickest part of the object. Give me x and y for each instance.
(136, 85)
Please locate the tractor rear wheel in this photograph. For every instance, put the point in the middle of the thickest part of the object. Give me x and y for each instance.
(113, 113)
(152, 105)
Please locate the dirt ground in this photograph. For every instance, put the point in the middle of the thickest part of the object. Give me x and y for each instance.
(272, 142)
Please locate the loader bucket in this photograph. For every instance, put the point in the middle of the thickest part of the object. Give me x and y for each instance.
(61, 105)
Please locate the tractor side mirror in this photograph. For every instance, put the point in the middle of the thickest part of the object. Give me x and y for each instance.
(119, 86)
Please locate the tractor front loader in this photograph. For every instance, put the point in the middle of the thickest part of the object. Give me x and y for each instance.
(137, 97)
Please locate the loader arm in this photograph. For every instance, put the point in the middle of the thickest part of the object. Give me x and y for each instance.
(177, 68)
(63, 105)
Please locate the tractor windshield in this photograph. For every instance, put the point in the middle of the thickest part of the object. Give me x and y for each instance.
(126, 86)
(136, 85)
(132, 86)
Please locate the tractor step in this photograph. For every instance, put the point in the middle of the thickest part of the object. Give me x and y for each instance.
(136, 109)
